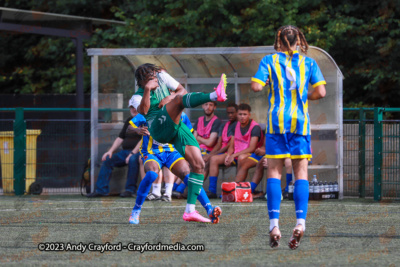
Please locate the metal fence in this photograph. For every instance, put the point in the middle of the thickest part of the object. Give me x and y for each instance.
(371, 153)
(51, 146)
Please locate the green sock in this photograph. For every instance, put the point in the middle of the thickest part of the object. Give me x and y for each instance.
(192, 100)
(195, 183)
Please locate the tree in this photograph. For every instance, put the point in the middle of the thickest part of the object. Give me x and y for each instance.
(362, 37)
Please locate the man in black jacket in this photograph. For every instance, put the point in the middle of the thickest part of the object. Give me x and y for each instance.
(129, 139)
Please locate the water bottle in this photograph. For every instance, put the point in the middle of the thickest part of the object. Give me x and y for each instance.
(326, 185)
(336, 190)
(314, 179)
(321, 187)
(314, 190)
(317, 191)
(331, 187)
(291, 190)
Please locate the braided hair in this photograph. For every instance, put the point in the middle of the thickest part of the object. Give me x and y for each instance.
(144, 72)
(287, 36)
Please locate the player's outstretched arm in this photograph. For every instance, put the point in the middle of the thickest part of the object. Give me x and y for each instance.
(318, 93)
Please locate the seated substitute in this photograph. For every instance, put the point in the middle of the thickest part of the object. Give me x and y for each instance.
(225, 133)
(129, 139)
(247, 138)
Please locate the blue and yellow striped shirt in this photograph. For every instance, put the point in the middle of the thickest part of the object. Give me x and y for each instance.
(151, 146)
(287, 96)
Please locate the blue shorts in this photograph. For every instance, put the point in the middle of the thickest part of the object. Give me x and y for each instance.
(166, 158)
(255, 157)
(294, 146)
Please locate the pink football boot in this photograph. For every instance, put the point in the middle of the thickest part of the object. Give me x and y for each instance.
(221, 89)
(195, 217)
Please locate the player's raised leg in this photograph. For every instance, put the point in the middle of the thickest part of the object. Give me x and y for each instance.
(300, 196)
(191, 100)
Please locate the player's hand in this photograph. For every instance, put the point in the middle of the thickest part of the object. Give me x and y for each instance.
(106, 155)
(228, 160)
(260, 151)
(267, 82)
(206, 158)
(165, 101)
(265, 162)
(127, 159)
(151, 84)
(143, 130)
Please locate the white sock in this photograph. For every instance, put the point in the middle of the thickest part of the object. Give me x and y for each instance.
(273, 223)
(168, 189)
(157, 189)
(190, 208)
(302, 222)
(213, 96)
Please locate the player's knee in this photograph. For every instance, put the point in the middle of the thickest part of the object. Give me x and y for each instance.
(151, 167)
(242, 157)
(198, 166)
(178, 100)
(183, 173)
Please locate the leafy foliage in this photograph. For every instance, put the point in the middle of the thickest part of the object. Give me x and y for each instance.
(362, 36)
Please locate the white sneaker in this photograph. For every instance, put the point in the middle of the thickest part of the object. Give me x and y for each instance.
(153, 197)
(166, 198)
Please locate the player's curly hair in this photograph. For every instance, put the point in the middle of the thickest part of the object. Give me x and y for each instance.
(287, 36)
(144, 72)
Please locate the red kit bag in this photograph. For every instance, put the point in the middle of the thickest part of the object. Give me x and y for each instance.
(228, 192)
(236, 192)
(243, 192)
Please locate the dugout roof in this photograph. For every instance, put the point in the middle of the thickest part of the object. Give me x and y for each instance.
(199, 70)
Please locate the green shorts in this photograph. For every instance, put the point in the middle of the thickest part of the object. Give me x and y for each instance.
(164, 130)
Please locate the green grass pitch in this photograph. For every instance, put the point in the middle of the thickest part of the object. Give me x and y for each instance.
(339, 232)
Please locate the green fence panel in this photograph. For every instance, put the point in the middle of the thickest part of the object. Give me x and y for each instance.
(378, 116)
(19, 152)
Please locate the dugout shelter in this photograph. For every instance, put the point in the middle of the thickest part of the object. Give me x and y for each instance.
(199, 70)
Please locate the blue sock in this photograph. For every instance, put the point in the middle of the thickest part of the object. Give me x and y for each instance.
(273, 197)
(181, 188)
(213, 184)
(175, 186)
(203, 198)
(144, 189)
(253, 186)
(300, 197)
(289, 178)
